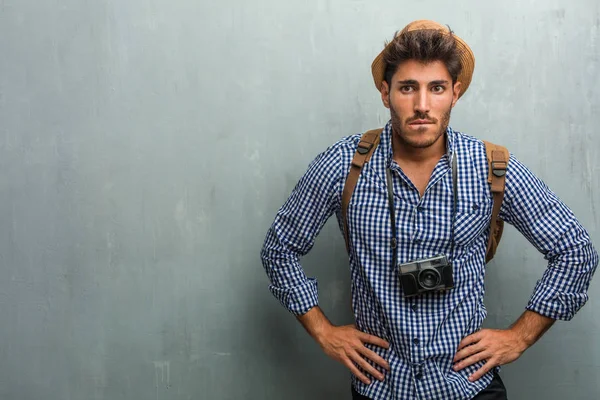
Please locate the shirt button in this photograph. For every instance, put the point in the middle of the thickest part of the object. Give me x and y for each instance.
(416, 340)
(414, 307)
(419, 375)
(417, 241)
(420, 208)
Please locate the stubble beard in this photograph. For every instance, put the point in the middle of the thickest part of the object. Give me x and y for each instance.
(406, 139)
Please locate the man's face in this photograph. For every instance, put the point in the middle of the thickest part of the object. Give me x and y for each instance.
(420, 98)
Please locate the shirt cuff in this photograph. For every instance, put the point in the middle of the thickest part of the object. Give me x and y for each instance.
(556, 305)
(298, 299)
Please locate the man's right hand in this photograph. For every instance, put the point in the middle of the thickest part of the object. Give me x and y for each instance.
(346, 344)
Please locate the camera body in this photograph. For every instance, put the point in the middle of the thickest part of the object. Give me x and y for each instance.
(426, 275)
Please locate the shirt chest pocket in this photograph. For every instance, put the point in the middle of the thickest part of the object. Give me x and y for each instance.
(369, 213)
(472, 219)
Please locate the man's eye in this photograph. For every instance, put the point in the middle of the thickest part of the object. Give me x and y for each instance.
(406, 89)
(438, 89)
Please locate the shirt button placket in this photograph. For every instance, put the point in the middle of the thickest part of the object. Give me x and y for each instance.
(418, 210)
(418, 372)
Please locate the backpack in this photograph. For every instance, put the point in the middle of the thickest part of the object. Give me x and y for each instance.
(497, 157)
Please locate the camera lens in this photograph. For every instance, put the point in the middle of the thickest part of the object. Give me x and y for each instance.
(429, 278)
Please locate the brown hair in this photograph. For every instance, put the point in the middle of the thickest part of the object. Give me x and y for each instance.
(425, 45)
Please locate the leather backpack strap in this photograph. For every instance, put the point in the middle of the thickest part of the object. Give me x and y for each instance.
(497, 157)
(365, 149)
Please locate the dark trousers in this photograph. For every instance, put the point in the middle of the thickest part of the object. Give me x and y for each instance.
(495, 391)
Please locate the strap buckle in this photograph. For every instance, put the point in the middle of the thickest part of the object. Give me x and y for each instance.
(499, 168)
(364, 147)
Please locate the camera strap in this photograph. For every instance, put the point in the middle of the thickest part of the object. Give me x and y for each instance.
(394, 240)
(454, 202)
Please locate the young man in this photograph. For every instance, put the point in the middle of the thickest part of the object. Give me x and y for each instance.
(424, 193)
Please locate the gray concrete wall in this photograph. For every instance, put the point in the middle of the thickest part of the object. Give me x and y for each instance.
(146, 145)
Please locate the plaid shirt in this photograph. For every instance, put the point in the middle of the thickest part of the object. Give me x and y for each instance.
(424, 331)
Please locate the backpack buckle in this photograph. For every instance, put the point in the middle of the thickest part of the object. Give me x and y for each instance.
(499, 168)
(364, 147)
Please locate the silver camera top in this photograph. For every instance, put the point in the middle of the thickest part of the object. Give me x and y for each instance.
(430, 262)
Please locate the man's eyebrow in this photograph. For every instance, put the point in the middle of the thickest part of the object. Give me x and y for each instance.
(414, 82)
(408, 82)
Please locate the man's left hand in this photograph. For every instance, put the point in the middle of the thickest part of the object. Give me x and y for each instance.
(497, 346)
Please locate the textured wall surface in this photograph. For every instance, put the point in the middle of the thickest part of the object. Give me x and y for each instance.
(145, 146)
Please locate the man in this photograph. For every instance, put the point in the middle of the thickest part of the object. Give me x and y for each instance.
(424, 193)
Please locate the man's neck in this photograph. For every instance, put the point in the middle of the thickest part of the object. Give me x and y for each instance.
(404, 153)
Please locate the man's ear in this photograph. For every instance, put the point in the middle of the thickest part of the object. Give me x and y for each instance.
(455, 92)
(385, 94)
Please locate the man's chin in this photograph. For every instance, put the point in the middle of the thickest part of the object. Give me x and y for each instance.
(418, 141)
(420, 144)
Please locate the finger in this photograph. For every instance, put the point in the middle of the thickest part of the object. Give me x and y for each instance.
(468, 351)
(472, 360)
(361, 362)
(348, 363)
(483, 370)
(376, 358)
(365, 337)
(474, 338)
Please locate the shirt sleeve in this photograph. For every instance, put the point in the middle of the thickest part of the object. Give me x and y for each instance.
(551, 227)
(297, 223)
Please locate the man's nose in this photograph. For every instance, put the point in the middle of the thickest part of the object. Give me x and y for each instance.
(422, 102)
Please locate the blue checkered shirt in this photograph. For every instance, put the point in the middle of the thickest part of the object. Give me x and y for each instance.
(424, 331)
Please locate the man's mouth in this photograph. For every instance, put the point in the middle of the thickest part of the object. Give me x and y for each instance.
(421, 122)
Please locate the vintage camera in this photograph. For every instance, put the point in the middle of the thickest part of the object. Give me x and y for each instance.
(426, 275)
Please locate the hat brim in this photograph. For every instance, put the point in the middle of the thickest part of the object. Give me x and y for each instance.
(467, 61)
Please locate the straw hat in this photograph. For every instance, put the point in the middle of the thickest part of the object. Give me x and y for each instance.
(467, 59)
